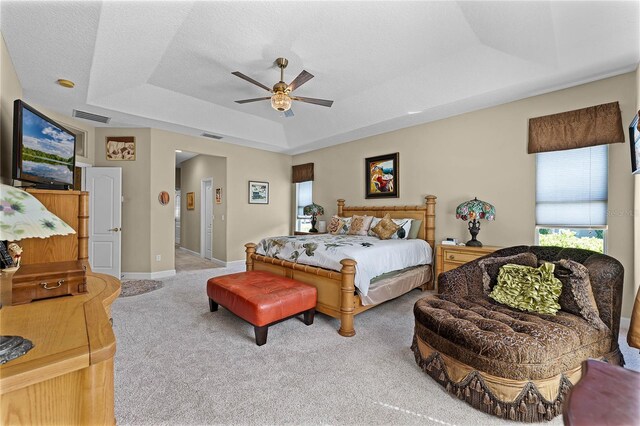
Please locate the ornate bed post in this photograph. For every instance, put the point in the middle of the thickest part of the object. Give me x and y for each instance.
(430, 237)
(250, 249)
(340, 206)
(347, 290)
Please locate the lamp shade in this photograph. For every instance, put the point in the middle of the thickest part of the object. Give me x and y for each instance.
(313, 209)
(475, 209)
(23, 216)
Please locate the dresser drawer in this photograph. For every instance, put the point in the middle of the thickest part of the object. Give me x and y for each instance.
(459, 256)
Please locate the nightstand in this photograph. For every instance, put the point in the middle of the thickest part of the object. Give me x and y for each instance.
(450, 257)
(308, 233)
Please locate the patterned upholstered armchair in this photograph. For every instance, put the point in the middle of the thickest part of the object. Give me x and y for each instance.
(513, 364)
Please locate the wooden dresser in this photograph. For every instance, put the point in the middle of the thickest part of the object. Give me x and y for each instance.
(67, 378)
(450, 257)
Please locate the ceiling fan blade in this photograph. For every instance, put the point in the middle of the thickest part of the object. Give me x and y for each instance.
(301, 79)
(288, 113)
(246, 101)
(250, 80)
(314, 101)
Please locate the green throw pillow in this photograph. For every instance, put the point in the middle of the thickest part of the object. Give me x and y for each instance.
(528, 289)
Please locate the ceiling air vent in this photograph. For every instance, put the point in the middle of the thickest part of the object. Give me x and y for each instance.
(211, 135)
(92, 117)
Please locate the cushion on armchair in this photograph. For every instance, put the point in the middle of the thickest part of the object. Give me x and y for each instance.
(577, 296)
(490, 267)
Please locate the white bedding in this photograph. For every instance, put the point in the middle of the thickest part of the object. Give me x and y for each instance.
(373, 256)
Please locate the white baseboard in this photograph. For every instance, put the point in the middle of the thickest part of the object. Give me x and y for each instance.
(148, 275)
(235, 263)
(195, 253)
(218, 262)
(625, 322)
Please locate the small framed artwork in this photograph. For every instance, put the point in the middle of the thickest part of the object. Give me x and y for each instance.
(121, 148)
(218, 195)
(191, 200)
(381, 176)
(258, 192)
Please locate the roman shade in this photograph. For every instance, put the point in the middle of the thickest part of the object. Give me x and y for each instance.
(595, 125)
(302, 173)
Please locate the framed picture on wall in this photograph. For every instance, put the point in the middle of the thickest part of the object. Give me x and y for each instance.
(218, 195)
(191, 200)
(381, 176)
(121, 148)
(258, 192)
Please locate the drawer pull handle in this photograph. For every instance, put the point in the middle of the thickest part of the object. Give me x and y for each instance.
(46, 285)
(451, 256)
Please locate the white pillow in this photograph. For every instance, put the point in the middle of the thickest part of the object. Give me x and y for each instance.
(405, 227)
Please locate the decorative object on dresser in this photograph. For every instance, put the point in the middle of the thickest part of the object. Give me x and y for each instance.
(46, 280)
(382, 176)
(473, 210)
(121, 148)
(258, 192)
(337, 296)
(314, 210)
(450, 257)
(23, 216)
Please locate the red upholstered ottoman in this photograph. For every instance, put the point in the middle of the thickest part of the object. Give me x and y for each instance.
(262, 299)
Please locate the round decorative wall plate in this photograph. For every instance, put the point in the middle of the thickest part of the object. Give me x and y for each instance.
(163, 198)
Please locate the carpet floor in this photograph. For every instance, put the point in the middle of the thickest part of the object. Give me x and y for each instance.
(178, 363)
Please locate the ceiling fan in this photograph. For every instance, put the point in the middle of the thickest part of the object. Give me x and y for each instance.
(281, 98)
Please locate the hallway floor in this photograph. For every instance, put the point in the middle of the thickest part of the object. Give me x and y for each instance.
(187, 261)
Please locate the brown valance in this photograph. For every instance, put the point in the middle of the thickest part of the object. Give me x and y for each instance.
(596, 125)
(302, 173)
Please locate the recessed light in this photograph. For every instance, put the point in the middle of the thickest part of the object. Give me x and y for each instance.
(66, 83)
(178, 150)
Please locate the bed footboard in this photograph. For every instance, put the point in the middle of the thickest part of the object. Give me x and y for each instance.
(336, 290)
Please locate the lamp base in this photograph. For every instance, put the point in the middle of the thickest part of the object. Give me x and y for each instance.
(473, 243)
(313, 224)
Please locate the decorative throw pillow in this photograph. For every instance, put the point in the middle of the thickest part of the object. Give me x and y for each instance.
(374, 222)
(385, 228)
(415, 229)
(334, 224)
(577, 295)
(528, 289)
(491, 267)
(403, 232)
(360, 225)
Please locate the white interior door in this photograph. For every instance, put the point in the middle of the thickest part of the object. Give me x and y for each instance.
(105, 219)
(177, 215)
(208, 219)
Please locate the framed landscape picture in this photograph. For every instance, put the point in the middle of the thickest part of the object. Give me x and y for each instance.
(258, 192)
(121, 148)
(381, 176)
(218, 195)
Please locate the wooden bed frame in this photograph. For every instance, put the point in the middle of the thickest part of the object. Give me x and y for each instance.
(336, 290)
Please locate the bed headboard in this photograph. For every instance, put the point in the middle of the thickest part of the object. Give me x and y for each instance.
(426, 213)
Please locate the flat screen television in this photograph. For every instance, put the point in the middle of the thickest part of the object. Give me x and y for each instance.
(634, 139)
(44, 152)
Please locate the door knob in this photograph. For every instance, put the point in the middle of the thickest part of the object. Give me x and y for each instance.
(115, 229)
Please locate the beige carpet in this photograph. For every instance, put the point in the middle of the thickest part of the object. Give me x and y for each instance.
(178, 363)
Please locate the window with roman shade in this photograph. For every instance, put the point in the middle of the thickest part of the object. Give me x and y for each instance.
(302, 177)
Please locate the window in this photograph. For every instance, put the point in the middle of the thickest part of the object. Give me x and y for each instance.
(571, 198)
(304, 196)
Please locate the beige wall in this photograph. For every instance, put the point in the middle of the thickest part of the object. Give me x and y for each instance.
(483, 154)
(245, 222)
(10, 90)
(136, 226)
(192, 172)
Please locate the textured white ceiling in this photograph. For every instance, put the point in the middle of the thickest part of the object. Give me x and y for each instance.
(386, 65)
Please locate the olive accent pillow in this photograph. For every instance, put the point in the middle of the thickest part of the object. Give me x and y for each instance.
(415, 229)
(528, 289)
(577, 295)
(385, 228)
(490, 267)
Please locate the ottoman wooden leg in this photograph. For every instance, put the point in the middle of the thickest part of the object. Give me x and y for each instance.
(308, 316)
(261, 334)
(213, 306)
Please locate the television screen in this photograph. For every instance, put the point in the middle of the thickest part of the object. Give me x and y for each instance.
(44, 151)
(634, 139)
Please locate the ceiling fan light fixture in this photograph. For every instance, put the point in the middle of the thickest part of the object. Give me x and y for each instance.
(280, 101)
